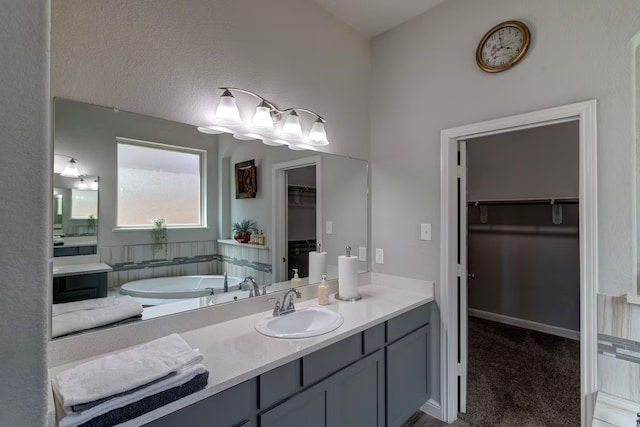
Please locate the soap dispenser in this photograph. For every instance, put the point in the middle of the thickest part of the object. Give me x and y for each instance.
(295, 281)
(323, 291)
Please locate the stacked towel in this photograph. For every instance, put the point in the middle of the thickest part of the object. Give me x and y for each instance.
(79, 315)
(116, 388)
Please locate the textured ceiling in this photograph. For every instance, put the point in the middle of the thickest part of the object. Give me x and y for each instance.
(373, 17)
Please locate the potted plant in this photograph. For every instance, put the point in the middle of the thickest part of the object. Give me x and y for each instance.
(243, 230)
(159, 230)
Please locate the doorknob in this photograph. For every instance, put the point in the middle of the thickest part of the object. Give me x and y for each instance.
(471, 275)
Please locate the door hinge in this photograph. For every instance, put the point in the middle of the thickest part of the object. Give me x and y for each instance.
(460, 271)
(459, 369)
(459, 171)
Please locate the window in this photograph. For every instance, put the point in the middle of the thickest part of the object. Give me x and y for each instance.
(84, 204)
(159, 181)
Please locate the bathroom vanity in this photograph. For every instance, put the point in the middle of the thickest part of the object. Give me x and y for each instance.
(373, 370)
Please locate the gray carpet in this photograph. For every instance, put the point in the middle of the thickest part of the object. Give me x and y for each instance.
(518, 377)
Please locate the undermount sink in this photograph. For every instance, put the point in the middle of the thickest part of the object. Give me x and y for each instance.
(303, 323)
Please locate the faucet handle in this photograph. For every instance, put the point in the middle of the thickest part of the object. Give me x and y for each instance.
(276, 309)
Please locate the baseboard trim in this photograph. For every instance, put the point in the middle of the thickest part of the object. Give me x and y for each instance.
(527, 324)
(432, 408)
(615, 410)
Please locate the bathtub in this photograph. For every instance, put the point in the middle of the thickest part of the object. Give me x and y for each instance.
(179, 287)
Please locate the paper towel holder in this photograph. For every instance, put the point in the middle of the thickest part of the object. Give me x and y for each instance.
(355, 298)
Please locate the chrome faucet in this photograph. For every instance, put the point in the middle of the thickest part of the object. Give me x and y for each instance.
(226, 283)
(286, 306)
(254, 290)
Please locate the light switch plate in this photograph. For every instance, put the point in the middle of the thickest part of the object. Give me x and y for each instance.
(362, 253)
(329, 227)
(379, 256)
(425, 231)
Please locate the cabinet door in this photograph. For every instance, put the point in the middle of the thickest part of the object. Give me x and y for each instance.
(355, 395)
(407, 380)
(305, 409)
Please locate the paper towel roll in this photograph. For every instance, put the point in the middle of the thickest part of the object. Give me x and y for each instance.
(348, 276)
(317, 266)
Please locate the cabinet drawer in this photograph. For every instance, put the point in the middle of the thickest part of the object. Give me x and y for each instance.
(407, 322)
(228, 408)
(279, 384)
(324, 362)
(373, 338)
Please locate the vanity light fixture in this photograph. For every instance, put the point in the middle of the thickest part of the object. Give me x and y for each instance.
(264, 125)
(82, 185)
(71, 169)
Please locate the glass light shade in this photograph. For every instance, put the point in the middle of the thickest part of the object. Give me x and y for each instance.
(227, 111)
(82, 185)
(317, 134)
(292, 125)
(296, 147)
(71, 170)
(246, 136)
(211, 130)
(273, 142)
(94, 184)
(262, 119)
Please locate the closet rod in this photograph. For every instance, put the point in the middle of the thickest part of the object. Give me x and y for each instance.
(549, 201)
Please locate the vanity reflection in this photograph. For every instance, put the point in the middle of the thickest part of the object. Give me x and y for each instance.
(75, 215)
(302, 199)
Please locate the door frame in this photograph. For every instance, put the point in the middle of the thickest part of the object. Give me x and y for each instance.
(278, 210)
(447, 293)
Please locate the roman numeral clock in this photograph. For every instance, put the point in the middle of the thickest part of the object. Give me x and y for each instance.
(503, 46)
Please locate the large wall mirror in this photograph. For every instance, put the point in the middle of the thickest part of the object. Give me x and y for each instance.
(171, 201)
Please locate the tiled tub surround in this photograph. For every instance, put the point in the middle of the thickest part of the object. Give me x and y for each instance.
(137, 262)
(618, 347)
(234, 352)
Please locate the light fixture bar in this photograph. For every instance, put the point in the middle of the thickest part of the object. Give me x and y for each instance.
(263, 124)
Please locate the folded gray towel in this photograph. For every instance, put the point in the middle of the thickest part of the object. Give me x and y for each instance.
(148, 404)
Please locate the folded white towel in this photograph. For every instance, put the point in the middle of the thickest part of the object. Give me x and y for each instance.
(87, 304)
(77, 316)
(124, 371)
(74, 419)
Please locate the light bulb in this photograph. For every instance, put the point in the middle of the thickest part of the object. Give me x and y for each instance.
(262, 119)
(317, 134)
(71, 170)
(292, 125)
(227, 111)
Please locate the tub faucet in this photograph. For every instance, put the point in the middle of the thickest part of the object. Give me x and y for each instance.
(254, 290)
(226, 283)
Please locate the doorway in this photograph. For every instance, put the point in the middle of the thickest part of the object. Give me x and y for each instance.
(296, 214)
(452, 294)
(523, 262)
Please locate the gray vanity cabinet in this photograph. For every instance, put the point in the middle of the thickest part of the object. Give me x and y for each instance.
(352, 397)
(230, 408)
(375, 378)
(79, 287)
(407, 376)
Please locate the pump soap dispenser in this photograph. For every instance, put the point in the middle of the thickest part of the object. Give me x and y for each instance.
(295, 281)
(348, 277)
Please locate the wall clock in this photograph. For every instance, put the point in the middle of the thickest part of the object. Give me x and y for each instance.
(503, 46)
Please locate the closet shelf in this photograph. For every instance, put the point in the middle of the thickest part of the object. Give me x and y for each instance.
(545, 201)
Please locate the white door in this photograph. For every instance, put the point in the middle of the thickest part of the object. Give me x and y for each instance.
(462, 276)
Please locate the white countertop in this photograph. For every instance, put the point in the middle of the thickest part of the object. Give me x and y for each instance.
(234, 352)
(76, 269)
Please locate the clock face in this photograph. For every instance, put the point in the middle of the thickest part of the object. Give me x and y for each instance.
(503, 46)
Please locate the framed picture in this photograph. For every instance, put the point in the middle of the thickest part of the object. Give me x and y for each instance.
(246, 183)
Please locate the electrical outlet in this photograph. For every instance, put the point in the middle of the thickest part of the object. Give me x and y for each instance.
(328, 228)
(362, 253)
(379, 256)
(425, 231)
